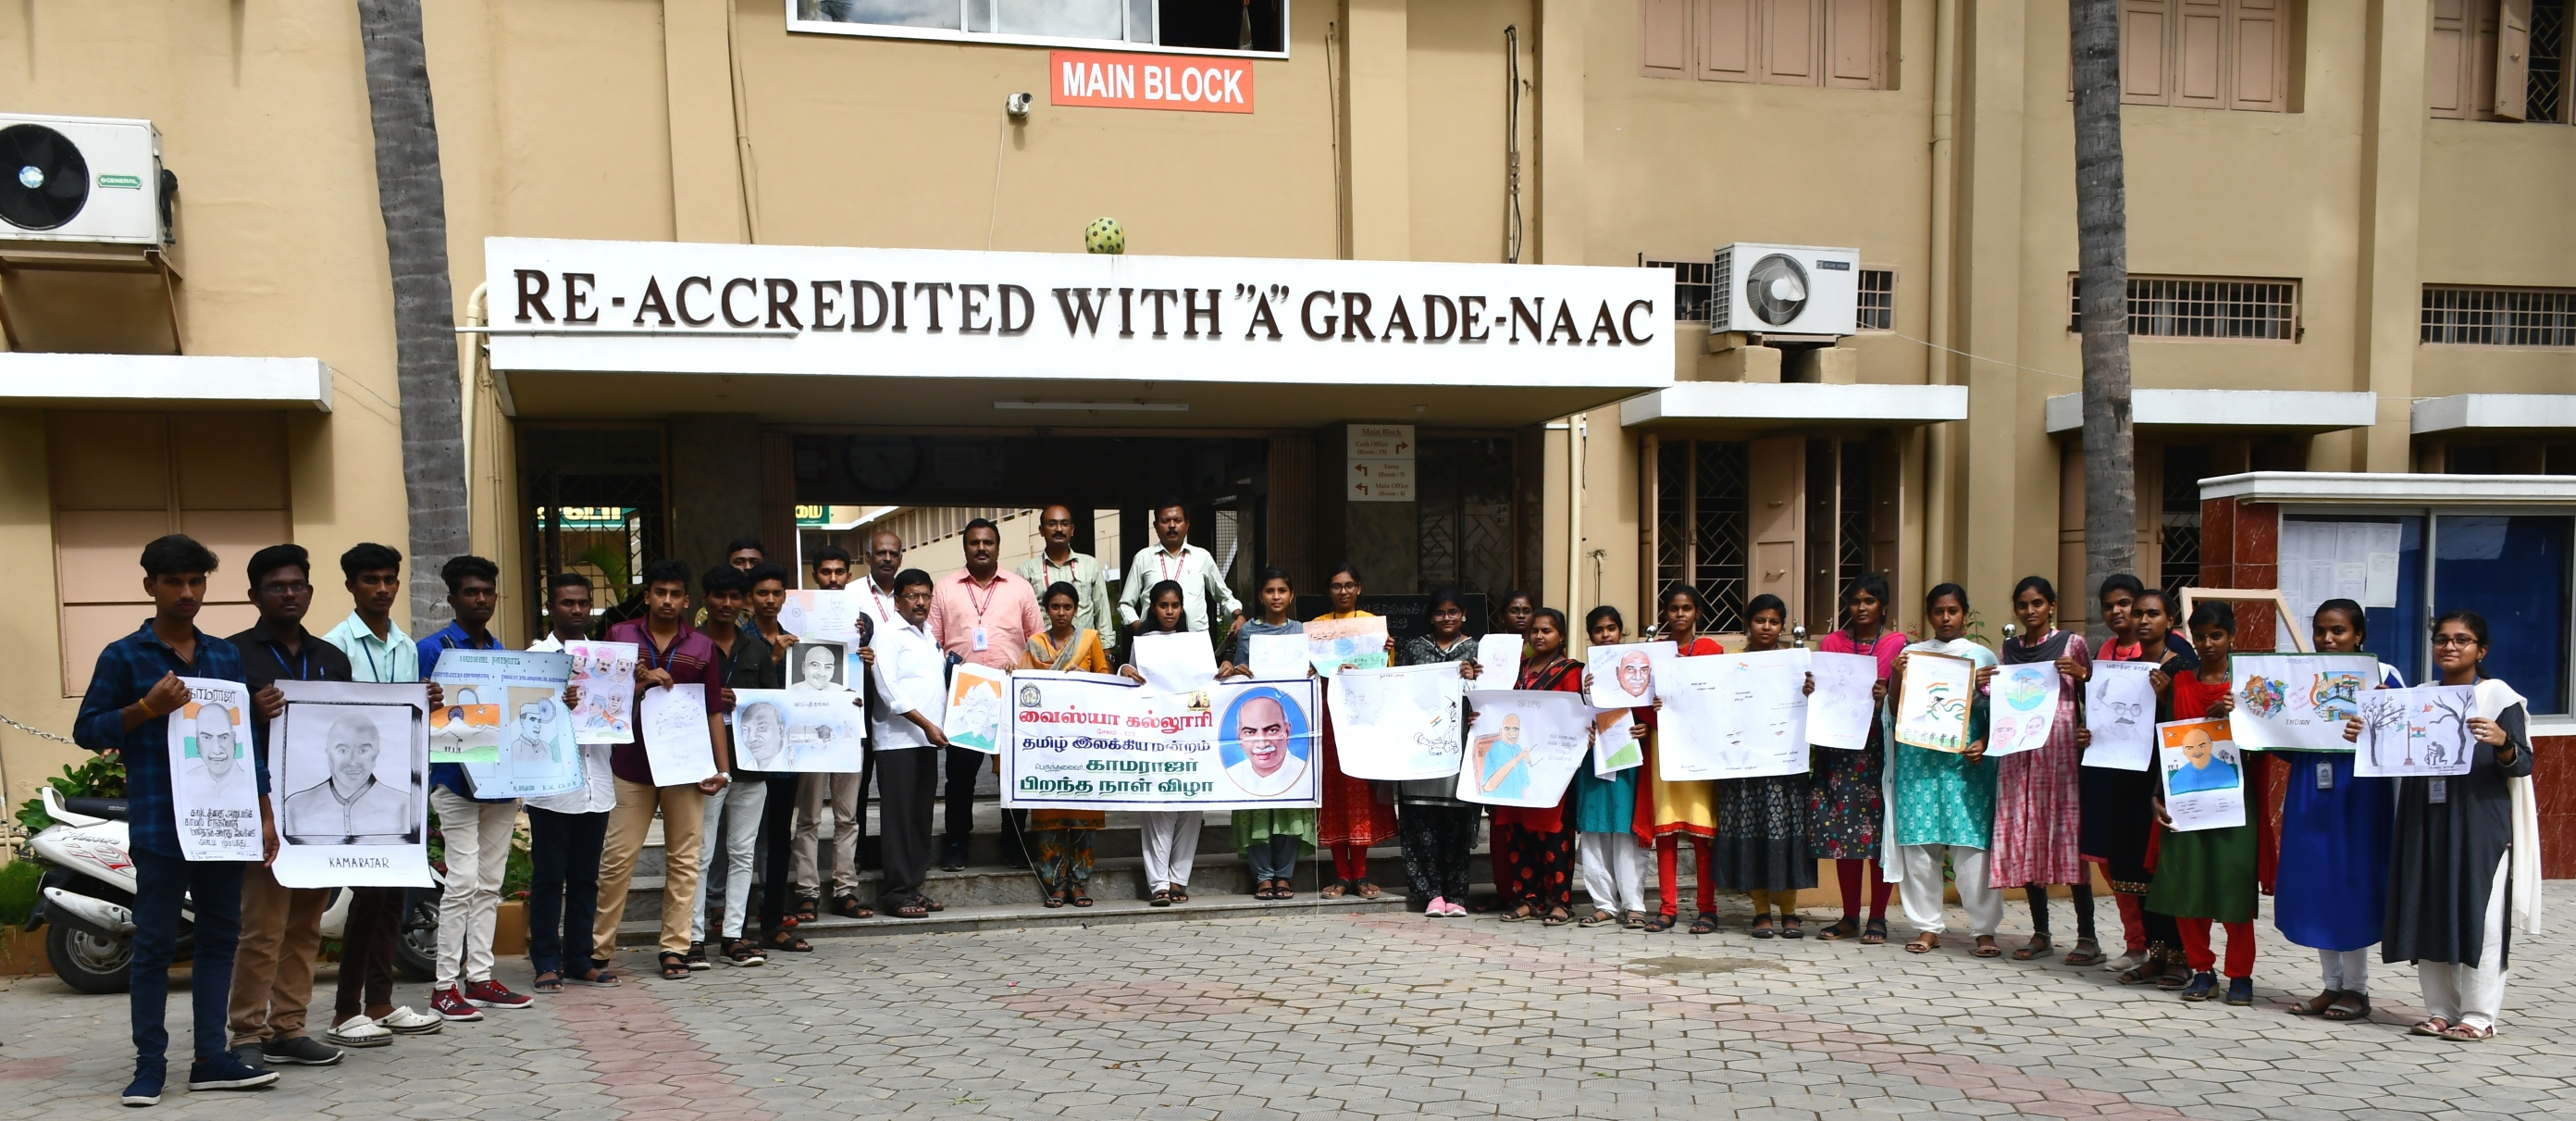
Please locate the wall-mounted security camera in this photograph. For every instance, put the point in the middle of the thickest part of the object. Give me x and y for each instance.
(1017, 105)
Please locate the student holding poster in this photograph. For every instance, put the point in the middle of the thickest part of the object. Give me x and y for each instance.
(475, 824)
(565, 831)
(1439, 827)
(1352, 818)
(2464, 865)
(1667, 810)
(670, 653)
(2331, 888)
(1943, 802)
(1846, 799)
(1169, 838)
(2039, 815)
(2207, 875)
(1605, 808)
(1060, 840)
(1270, 840)
(1761, 845)
(1534, 848)
(133, 695)
(2119, 804)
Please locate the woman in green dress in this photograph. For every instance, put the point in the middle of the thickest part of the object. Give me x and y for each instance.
(1270, 840)
(1943, 802)
(2208, 875)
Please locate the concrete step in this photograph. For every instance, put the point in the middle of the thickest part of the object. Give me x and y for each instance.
(1105, 912)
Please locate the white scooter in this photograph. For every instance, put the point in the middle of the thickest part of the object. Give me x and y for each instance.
(86, 900)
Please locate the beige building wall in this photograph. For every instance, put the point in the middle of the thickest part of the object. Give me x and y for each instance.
(1383, 134)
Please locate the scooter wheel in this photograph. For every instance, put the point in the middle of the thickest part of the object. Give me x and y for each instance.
(87, 961)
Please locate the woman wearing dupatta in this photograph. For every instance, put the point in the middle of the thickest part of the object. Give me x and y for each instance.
(1846, 796)
(1533, 848)
(1060, 840)
(2464, 869)
(1669, 811)
(1605, 809)
(1942, 803)
(1439, 827)
(2039, 804)
(1270, 840)
(1353, 818)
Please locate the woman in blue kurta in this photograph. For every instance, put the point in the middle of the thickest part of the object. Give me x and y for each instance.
(2332, 888)
(1605, 809)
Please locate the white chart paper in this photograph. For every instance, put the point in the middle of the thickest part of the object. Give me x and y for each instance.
(2120, 711)
(1840, 710)
(1733, 716)
(676, 743)
(214, 789)
(1396, 723)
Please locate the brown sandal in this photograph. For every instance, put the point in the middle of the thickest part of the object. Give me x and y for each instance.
(1923, 943)
(1366, 889)
(1986, 947)
(2349, 1006)
(1336, 890)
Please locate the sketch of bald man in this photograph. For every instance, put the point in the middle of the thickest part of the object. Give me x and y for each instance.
(351, 807)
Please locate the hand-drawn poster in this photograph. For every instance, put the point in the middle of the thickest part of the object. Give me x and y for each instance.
(825, 667)
(1084, 741)
(1334, 643)
(2021, 707)
(1839, 712)
(348, 768)
(606, 673)
(1523, 747)
(2298, 701)
(1732, 716)
(1398, 722)
(798, 730)
(821, 615)
(214, 796)
(2204, 776)
(1181, 662)
(2120, 711)
(976, 717)
(1498, 662)
(1615, 746)
(2423, 731)
(676, 743)
(1623, 674)
(1932, 708)
(535, 753)
(1277, 657)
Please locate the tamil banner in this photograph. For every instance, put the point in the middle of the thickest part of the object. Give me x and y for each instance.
(1081, 741)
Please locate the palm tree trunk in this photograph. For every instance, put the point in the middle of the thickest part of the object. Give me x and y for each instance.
(413, 200)
(2102, 241)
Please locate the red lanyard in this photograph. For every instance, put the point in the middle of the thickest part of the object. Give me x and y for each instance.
(989, 590)
(1161, 566)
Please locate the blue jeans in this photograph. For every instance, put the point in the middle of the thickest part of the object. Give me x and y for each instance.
(161, 884)
(563, 886)
(1276, 857)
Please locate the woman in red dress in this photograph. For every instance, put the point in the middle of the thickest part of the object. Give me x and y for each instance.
(1354, 817)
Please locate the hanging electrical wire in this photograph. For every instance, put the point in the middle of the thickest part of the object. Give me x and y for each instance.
(1511, 144)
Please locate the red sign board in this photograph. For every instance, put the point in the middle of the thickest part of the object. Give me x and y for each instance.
(1150, 81)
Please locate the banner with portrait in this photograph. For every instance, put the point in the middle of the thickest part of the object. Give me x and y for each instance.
(505, 720)
(1082, 741)
(214, 796)
(348, 769)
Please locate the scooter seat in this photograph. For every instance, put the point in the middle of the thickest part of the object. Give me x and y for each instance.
(110, 808)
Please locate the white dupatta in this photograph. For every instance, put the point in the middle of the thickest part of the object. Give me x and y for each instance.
(2494, 698)
(1891, 866)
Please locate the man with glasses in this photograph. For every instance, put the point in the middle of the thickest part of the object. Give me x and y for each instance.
(908, 668)
(281, 926)
(983, 615)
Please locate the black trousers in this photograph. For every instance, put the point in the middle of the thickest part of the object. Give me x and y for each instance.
(367, 950)
(778, 849)
(907, 781)
(563, 887)
(965, 764)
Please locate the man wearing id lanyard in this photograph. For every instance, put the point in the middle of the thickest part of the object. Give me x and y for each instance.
(1059, 564)
(983, 615)
(476, 829)
(281, 931)
(844, 792)
(1204, 595)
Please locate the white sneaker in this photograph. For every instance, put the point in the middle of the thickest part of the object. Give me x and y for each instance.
(2123, 964)
(360, 1032)
(404, 1021)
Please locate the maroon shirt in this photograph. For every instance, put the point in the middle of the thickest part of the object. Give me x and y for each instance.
(690, 659)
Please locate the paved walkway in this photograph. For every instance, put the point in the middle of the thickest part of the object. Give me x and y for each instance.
(1381, 1014)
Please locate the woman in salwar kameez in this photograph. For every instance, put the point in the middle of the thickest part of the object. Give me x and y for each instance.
(1439, 827)
(2039, 815)
(1060, 840)
(1668, 811)
(1846, 797)
(1353, 817)
(1605, 809)
(2208, 875)
(1270, 840)
(2331, 891)
(2464, 868)
(1761, 846)
(1942, 804)
(1533, 847)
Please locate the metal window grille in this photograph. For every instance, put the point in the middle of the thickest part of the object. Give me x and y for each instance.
(1878, 299)
(2179, 518)
(2544, 94)
(2181, 307)
(1851, 546)
(1703, 519)
(2499, 316)
(1690, 286)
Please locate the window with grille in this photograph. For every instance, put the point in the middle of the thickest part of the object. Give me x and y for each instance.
(2178, 517)
(1844, 44)
(1877, 299)
(2499, 316)
(2184, 307)
(1703, 522)
(2499, 60)
(1690, 285)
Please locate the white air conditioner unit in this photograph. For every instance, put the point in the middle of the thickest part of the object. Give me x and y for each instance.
(1784, 290)
(83, 179)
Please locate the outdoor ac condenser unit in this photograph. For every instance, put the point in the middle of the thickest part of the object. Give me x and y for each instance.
(82, 179)
(1784, 290)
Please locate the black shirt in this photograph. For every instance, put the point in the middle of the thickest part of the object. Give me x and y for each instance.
(265, 663)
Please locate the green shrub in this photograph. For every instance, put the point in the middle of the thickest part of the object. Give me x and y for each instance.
(18, 891)
(101, 777)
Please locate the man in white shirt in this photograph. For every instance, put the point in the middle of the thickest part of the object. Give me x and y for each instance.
(1204, 595)
(910, 691)
(567, 830)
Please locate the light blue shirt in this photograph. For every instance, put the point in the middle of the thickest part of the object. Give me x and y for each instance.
(393, 659)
